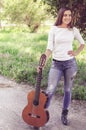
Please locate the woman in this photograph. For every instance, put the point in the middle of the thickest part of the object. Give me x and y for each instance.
(60, 43)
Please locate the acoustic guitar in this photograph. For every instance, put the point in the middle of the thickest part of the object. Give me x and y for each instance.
(35, 113)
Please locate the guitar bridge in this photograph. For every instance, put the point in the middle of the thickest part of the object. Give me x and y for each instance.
(33, 115)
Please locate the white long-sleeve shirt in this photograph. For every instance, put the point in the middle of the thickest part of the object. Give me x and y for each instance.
(60, 41)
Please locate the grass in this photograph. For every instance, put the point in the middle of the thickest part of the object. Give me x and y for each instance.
(19, 54)
(19, 58)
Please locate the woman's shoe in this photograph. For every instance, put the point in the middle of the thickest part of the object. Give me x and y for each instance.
(64, 117)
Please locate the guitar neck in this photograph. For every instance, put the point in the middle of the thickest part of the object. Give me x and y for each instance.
(37, 90)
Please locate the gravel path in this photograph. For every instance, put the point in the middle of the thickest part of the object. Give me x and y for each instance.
(13, 99)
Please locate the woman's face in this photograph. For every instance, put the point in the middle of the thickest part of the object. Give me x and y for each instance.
(66, 17)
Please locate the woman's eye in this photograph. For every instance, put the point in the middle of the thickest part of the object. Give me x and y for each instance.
(65, 15)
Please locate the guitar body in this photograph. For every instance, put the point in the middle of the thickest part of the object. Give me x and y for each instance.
(35, 115)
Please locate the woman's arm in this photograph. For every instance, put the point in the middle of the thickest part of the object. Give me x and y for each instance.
(75, 53)
(48, 53)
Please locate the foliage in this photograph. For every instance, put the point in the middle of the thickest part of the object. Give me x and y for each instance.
(25, 12)
(19, 58)
(78, 7)
(79, 93)
(1, 6)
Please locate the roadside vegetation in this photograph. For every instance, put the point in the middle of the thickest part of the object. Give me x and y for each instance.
(19, 57)
(23, 38)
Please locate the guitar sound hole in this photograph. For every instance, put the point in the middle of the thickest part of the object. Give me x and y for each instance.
(33, 115)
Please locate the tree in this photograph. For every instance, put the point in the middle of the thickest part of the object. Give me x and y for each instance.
(25, 11)
(1, 6)
(78, 7)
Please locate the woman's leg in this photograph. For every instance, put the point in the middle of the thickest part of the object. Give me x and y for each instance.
(69, 74)
(68, 83)
(53, 80)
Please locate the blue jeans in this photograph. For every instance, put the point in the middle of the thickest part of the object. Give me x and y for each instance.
(67, 69)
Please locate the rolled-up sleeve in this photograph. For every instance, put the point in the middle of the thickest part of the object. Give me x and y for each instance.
(50, 39)
(78, 36)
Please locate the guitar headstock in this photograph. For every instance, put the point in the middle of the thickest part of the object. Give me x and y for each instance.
(42, 61)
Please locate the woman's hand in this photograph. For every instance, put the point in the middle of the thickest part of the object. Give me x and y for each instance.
(47, 53)
(38, 69)
(75, 53)
(42, 63)
(72, 53)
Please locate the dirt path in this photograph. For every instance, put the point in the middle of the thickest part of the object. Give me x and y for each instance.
(13, 98)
